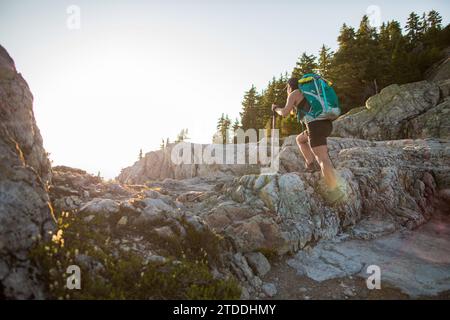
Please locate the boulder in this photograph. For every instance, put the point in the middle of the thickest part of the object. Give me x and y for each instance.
(99, 206)
(156, 206)
(258, 262)
(444, 88)
(269, 289)
(25, 210)
(387, 113)
(158, 165)
(17, 116)
(396, 182)
(433, 123)
(249, 228)
(244, 273)
(165, 232)
(413, 110)
(441, 69)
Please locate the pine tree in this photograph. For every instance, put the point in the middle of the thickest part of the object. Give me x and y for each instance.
(305, 64)
(366, 34)
(324, 62)
(395, 33)
(346, 38)
(385, 47)
(423, 24)
(140, 154)
(249, 108)
(225, 129)
(434, 20)
(431, 37)
(365, 62)
(368, 58)
(236, 125)
(182, 136)
(289, 126)
(275, 93)
(400, 70)
(220, 122)
(413, 27)
(384, 34)
(343, 70)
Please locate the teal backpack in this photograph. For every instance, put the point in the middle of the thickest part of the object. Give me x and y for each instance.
(322, 99)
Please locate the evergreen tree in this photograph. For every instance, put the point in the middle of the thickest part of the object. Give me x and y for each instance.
(305, 64)
(433, 32)
(366, 34)
(324, 63)
(289, 126)
(268, 97)
(343, 70)
(220, 122)
(434, 20)
(223, 127)
(235, 127)
(249, 108)
(384, 35)
(395, 35)
(413, 27)
(236, 124)
(365, 62)
(400, 69)
(369, 55)
(140, 154)
(182, 136)
(274, 94)
(346, 38)
(423, 24)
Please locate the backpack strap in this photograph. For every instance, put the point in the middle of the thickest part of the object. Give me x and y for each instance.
(315, 77)
(319, 97)
(324, 94)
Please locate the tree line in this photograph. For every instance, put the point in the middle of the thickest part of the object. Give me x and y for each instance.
(367, 59)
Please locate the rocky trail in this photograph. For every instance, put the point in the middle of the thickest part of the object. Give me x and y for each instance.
(233, 232)
(413, 264)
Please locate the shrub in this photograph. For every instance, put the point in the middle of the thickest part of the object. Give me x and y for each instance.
(110, 272)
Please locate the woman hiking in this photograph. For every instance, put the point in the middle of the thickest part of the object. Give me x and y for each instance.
(313, 141)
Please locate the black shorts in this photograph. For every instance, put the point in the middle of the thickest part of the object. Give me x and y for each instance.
(318, 131)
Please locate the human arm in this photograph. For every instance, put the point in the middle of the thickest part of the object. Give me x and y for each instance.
(293, 100)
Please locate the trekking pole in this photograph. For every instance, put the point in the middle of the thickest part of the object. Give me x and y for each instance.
(273, 119)
(272, 134)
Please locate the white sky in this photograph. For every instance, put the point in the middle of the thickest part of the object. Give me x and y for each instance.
(140, 71)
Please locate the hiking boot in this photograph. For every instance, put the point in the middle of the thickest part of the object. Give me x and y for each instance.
(336, 195)
(312, 167)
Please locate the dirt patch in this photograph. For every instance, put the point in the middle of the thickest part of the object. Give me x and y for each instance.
(291, 286)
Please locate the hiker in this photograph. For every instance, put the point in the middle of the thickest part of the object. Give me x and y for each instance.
(313, 141)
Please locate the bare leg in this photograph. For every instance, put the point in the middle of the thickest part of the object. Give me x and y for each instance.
(322, 157)
(305, 149)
